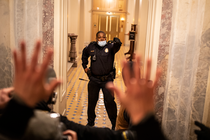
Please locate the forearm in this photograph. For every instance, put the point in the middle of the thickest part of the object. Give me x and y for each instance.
(148, 129)
(15, 117)
(86, 132)
(84, 65)
(116, 47)
(117, 44)
(85, 57)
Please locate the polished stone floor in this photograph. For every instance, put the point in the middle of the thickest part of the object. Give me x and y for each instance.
(77, 97)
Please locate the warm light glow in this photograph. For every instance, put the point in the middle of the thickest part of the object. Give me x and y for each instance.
(108, 13)
(97, 8)
(54, 115)
(109, 0)
(122, 19)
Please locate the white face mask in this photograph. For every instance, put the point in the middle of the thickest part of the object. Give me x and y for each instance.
(102, 43)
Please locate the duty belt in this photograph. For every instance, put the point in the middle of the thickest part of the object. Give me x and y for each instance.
(104, 77)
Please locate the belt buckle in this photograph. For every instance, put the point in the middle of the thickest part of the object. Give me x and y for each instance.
(102, 79)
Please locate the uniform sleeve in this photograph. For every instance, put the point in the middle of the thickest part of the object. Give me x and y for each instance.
(15, 118)
(116, 44)
(91, 133)
(85, 56)
(148, 129)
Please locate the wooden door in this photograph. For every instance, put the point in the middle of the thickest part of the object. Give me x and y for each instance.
(110, 25)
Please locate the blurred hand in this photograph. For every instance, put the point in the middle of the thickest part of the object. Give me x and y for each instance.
(139, 97)
(86, 70)
(72, 134)
(204, 133)
(29, 81)
(5, 96)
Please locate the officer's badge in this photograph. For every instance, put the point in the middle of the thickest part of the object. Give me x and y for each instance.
(92, 51)
(106, 50)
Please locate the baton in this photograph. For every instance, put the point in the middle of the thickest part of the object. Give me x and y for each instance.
(83, 79)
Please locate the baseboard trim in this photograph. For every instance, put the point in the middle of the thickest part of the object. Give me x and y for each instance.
(64, 112)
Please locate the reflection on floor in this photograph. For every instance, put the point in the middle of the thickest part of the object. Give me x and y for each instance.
(77, 97)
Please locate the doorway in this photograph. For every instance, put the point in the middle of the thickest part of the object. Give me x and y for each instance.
(110, 25)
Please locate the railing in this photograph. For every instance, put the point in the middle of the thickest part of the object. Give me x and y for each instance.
(73, 52)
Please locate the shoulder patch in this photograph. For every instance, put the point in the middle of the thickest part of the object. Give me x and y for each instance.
(106, 50)
(92, 42)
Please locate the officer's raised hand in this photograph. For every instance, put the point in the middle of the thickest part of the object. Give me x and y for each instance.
(117, 40)
(139, 98)
(204, 133)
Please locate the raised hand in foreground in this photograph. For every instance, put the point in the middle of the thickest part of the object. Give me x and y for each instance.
(204, 133)
(29, 81)
(139, 97)
(5, 96)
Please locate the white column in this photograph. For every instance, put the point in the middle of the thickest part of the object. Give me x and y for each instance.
(81, 26)
(28, 22)
(60, 51)
(152, 34)
(129, 19)
(74, 20)
(187, 70)
(88, 15)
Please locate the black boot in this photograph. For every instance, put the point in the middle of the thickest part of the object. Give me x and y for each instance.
(90, 124)
(113, 121)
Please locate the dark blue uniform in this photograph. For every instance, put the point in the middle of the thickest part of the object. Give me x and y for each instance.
(102, 59)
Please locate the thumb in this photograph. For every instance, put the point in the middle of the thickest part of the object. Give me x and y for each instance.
(116, 90)
(73, 134)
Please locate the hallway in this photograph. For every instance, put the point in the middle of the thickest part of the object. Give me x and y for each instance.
(77, 96)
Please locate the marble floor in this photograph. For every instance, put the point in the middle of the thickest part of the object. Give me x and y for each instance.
(77, 97)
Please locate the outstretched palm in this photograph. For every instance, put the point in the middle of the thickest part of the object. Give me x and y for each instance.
(29, 82)
(138, 99)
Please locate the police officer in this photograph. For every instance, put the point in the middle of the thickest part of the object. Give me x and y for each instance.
(101, 71)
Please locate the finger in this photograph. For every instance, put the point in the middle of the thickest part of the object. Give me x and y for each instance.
(199, 133)
(202, 126)
(45, 63)
(72, 133)
(16, 63)
(23, 55)
(5, 98)
(7, 91)
(35, 56)
(126, 73)
(157, 78)
(53, 85)
(117, 91)
(137, 68)
(148, 69)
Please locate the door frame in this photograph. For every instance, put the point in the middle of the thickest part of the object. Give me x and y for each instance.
(153, 34)
(148, 47)
(60, 55)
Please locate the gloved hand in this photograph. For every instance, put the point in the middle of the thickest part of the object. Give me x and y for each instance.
(117, 40)
(204, 133)
(89, 73)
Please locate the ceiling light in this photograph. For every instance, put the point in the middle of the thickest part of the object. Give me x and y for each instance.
(108, 13)
(122, 19)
